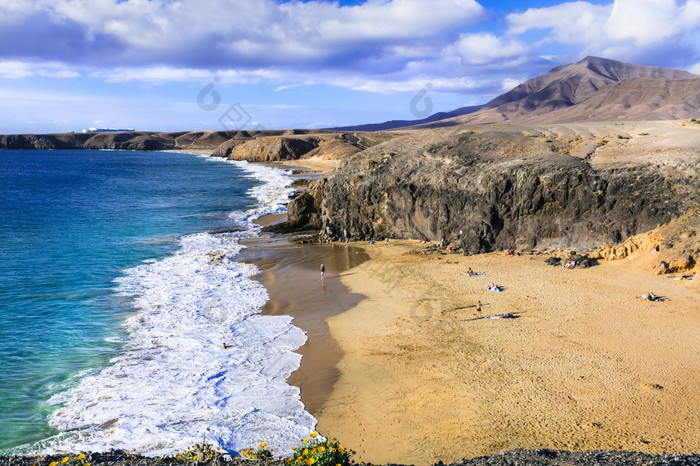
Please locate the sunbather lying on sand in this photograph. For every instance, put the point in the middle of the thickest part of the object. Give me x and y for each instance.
(493, 287)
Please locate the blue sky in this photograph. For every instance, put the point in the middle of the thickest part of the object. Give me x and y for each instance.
(170, 65)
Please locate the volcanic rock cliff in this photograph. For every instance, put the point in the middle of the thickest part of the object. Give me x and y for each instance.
(504, 187)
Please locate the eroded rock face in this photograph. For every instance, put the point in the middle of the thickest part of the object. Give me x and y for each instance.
(502, 190)
(273, 149)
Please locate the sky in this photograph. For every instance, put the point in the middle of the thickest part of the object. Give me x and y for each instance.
(176, 65)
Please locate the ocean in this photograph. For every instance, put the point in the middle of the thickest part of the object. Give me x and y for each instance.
(118, 286)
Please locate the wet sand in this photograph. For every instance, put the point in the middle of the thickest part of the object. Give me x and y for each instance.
(291, 275)
(584, 365)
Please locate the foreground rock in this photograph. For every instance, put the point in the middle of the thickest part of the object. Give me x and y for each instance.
(508, 458)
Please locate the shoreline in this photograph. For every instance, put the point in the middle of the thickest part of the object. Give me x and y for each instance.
(289, 272)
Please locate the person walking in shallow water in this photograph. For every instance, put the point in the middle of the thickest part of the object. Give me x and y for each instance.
(323, 272)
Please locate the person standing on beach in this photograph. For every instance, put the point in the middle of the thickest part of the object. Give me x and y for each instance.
(323, 271)
(478, 308)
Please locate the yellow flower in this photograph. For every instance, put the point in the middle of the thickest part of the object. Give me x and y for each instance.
(138, 453)
(341, 448)
(313, 434)
(310, 461)
(65, 460)
(289, 460)
(54, 463)
(218, 448)
(313, 452)
(294, 448)
(81, 456)
(322, 449)
(306, 440)
(86, 464)
(263, 444)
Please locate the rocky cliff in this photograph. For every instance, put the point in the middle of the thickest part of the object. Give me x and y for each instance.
(502, 188)
(253, 146)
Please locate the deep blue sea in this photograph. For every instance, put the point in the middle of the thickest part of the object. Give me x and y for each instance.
(118, 283)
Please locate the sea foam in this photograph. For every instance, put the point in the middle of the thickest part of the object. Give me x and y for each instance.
(174, 384)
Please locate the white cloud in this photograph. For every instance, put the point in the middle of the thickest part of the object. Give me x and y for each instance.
(14, 69)
(414, 84)
(570, 23)
(650, 21)
(239, 33)
(624, 30)
(509, 83)
(485, 48)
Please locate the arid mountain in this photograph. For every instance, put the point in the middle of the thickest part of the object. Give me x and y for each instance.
(394, 124)
(593, 89)
(638, 99)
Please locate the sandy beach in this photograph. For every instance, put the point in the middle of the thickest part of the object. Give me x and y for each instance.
(584, 365)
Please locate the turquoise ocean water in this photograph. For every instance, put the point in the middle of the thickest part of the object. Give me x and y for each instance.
(90, 239)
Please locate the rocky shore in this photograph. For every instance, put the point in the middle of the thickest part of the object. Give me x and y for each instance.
(253, 146)
(506, 458)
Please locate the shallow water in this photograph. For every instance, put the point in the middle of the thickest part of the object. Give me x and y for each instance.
(113, 309)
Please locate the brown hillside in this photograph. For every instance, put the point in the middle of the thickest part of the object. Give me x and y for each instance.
(593, 89)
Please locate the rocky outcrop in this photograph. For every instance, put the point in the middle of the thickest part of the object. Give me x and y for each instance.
(499, 188)
(273, 149)
(304, 212)
(139, 140)
(253, 146)
(293, 146)
(108, 140)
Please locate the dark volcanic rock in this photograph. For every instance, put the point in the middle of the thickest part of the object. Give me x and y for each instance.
(503, 190)
(304, 212)
(581, 458)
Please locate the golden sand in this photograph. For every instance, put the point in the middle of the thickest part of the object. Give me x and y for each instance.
(585, 365)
